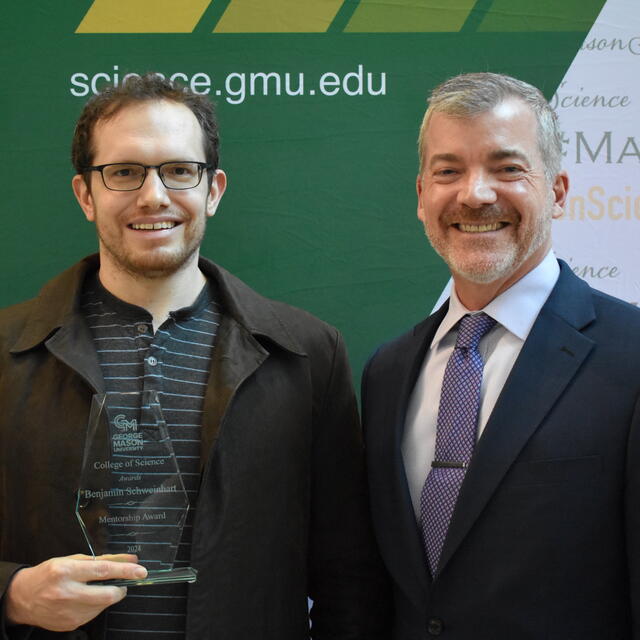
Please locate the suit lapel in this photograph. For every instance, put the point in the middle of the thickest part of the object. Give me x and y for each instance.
(403, 547)
(551, 356)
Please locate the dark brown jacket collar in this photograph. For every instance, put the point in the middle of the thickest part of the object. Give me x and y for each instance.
(58, 304)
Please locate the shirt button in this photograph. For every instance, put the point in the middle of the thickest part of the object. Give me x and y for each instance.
(152, 361)
(435, 626)
(142, 328)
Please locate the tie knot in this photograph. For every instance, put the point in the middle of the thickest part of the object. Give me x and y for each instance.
(471, 330)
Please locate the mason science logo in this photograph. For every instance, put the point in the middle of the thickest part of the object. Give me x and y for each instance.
(125, 437)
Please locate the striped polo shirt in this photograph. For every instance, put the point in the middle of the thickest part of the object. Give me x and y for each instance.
(174, 361)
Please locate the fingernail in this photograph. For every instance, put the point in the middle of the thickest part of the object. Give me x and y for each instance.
(140, 572)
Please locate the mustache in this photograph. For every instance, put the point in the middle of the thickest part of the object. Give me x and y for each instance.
(487, 214)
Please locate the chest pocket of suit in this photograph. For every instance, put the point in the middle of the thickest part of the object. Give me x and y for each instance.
(559, 471)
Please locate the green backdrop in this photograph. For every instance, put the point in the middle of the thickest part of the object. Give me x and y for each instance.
(320, 209)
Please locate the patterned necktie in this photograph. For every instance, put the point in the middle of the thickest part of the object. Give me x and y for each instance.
(456, 434)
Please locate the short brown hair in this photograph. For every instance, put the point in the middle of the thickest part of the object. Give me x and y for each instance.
(150, 86)
(471, 94)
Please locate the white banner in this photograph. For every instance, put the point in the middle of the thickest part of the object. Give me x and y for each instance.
(598, 104)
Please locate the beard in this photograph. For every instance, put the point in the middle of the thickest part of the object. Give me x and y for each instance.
(482, 259)
(160, 265)
(152, 262)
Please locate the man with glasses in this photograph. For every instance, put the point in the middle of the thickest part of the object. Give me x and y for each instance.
(257, 398)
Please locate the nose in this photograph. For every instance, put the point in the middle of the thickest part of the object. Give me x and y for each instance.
(477, 190)
(153, 194)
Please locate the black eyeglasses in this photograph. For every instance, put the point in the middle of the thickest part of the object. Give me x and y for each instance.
(129, 176)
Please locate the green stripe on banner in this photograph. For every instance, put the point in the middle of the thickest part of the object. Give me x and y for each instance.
(477, 15)
(211, 17)
(343, 16)
(389, 16)
(542, 15)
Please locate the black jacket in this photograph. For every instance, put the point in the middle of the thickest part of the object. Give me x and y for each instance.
(282, 510)
(544, 542)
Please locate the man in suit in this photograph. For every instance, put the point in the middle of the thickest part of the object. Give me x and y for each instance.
(256, 395)
(504, 469)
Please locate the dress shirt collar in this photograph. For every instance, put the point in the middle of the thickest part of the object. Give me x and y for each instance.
(517, 308)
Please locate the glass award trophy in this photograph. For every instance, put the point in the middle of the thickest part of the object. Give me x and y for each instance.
(131, 497)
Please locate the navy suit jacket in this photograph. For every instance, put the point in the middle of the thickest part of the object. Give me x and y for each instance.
(544, 542)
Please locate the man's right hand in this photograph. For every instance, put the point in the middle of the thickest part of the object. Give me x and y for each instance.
(55, 595)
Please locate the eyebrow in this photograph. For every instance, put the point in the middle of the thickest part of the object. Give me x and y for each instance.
(443, 157)
(500, 154)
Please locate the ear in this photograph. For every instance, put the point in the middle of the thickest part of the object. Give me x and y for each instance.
(218, 185)
(419, 190)
(560, 189)
(83, 196)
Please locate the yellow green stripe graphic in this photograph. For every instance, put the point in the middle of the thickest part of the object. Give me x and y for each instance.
(142, 16)
(278, 16)
(388, 16)
(354, 16)
(542, 15)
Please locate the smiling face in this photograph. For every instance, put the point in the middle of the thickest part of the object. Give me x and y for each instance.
(483, 196)
(154, 231)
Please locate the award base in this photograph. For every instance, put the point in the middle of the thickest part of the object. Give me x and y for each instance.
(184, 574)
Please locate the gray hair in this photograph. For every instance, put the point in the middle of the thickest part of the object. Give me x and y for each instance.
(471, 94)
